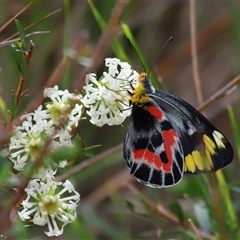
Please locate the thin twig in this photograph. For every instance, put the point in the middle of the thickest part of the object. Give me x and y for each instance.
(196, 76)
(87, 163)
(112, 185)
(228, 88)
(19, 88)
(192, 225)
(13, 18)
(33, 24)
(27, 57)
(7, 42)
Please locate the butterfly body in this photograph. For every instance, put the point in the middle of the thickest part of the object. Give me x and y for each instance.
(167, 137)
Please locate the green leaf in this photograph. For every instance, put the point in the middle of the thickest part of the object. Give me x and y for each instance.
(130, 206)
(17, 52)
(143, 61)
(134, 44)
(88, 151)
(21, 33)
(13, 106)
(97, 15)
(3, 109)
(177, 210)
(78, 145)
(63, 153)
(227, 199)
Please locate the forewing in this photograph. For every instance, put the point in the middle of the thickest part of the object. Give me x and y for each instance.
(152, 148)
(205, 147)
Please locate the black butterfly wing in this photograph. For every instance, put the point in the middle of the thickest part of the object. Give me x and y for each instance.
(152, 148)
(205, 148)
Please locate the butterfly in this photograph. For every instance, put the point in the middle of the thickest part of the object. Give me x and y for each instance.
(168, 137)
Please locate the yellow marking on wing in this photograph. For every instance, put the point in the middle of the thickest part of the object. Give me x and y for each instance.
(210, 145)
(193, 162)
(209, 151)
(189, 163)
(202, 160)
(207, 160)
(219, 138)
(198, 159)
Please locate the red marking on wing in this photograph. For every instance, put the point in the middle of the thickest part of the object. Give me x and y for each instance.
(148, 156)
(151, 158)
(168, 136)
(156, 112)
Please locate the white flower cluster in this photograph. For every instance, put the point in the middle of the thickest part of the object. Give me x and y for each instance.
(107, 97)
(61, 115)
(47, 202)
(105, 100)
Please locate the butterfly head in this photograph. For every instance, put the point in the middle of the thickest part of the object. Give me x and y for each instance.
(141, 90)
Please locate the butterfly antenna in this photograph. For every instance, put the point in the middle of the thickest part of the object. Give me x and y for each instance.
(159, 54)
(140, 60)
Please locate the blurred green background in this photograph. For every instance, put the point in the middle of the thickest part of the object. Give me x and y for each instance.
(110, 208)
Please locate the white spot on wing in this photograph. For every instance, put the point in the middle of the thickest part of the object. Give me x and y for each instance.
(191, 129)
(219, 138)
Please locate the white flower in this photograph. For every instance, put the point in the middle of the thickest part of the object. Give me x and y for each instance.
(26, 142)
(107, 98)
(50, 203)
(44, 172)
(64, 105)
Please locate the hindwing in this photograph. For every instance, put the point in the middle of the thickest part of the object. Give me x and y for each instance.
(152, 147)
